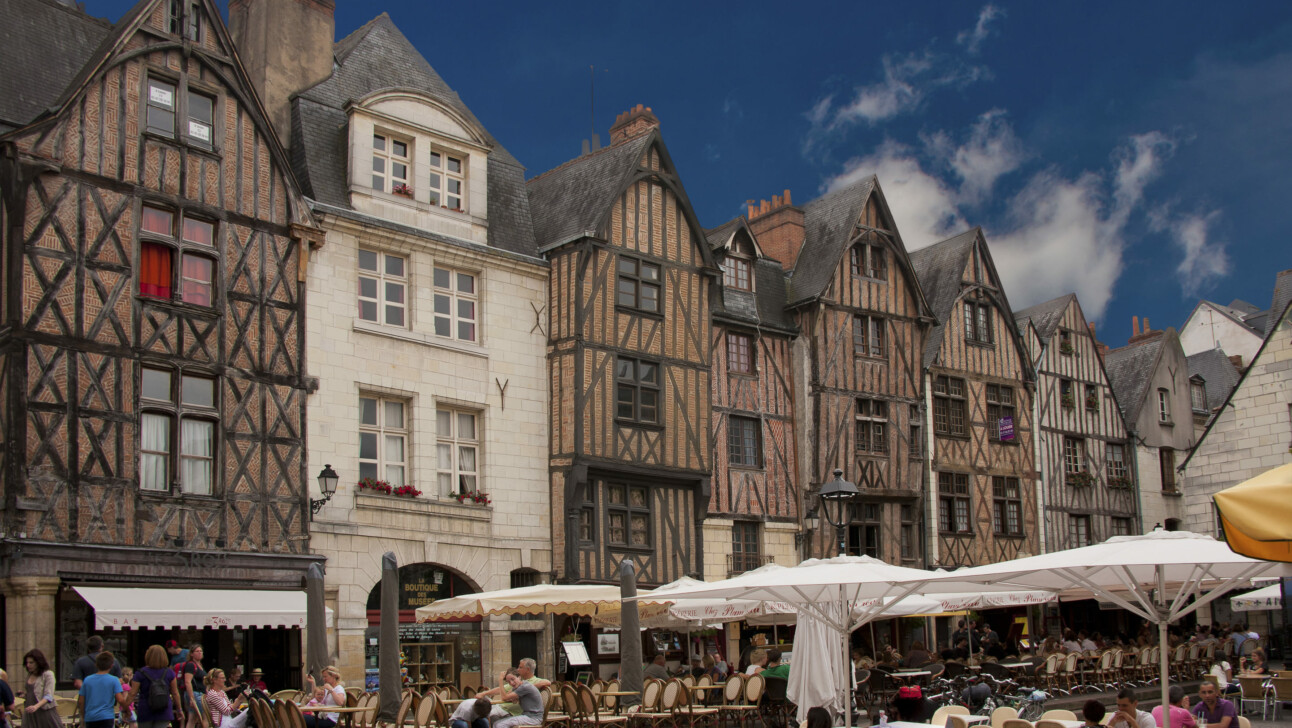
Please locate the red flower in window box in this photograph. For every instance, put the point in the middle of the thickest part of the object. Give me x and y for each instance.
(474, 496)
(407, 491)
(403, 190)
(375, 486)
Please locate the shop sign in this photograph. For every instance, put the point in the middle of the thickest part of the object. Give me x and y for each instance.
(1007, 428)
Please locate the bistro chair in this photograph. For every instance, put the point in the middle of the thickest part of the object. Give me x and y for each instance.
(1253, 692)
(1282, 692)
(1016, 723)
(940, 715)
(1002, 715)
(1058, 715)
(1045, 723)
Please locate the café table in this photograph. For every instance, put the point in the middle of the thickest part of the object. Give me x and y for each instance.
(347, 713)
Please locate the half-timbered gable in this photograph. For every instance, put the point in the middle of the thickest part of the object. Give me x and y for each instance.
(755, 505)
(981, 475)
(154, 327)
(1150, 377)
(1083, 461)
(629, 358)
(864, 320)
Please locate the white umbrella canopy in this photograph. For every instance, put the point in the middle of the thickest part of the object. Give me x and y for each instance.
(1265, 598)
(583, 600)
(1161, 576)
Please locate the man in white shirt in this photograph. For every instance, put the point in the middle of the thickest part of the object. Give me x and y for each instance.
(1128, 714)
(1087, 644)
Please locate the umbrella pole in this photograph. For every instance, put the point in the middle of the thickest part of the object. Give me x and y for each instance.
(1163, 666)
(847, 681)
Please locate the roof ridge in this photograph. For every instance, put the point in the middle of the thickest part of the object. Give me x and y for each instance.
(79, 12)
(347, 44)
(583, 157)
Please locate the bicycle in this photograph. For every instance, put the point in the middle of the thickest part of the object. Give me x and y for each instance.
(1030, 704)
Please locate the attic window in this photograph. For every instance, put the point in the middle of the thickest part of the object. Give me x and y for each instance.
(736, 274)
(870, 261)
(389, 164)
(1198, 396)
(191, 25)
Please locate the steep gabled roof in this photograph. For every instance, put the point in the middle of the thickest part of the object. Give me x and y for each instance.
(1130, 369)
(46, 44)
(1217, 372)
(1238, 316)
(829, 228)
(379, 57)
(572, 200)
(719, 237)
(1243, 307)
(940, 268)
(1046, 316)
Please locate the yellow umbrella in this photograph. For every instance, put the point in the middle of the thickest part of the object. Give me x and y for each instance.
(1257, 515)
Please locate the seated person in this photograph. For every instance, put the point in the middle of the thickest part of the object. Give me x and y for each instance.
(918, 656)
(218, 705)
(910, 705)
(527, 697)
(774, 666)
(471, 713)
(1093, 712)
(657, 669)
(257, 681)
(1128, 714)
(1180, 715)
(1220, 713)
(525, 670)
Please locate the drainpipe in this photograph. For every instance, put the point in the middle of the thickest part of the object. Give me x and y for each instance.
(1133, 437)
(930, 485)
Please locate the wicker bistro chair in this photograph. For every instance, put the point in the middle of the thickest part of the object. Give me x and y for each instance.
(775, 706)
(590, 713)
(691, 711)
(1253, 692)
(733, 705)
(940, 715)
(658, 700)
(1058, 715)
(1002, 715)
(1016, 723)
(1282, 689)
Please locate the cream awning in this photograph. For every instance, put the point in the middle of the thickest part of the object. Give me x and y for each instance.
(144, 608)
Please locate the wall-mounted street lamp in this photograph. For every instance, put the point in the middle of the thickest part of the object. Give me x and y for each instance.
(327, 483)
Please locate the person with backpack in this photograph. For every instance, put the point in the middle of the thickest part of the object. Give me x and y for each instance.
(155, 691)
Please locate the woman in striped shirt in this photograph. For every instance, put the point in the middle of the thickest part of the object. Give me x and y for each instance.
(217, 703)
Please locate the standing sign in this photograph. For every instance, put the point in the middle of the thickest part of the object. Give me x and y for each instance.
(1006, 426)
(577, 653)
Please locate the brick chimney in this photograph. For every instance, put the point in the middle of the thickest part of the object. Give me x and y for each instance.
(632, 123)
(286, 47)
(778, 225)
(1138, 336)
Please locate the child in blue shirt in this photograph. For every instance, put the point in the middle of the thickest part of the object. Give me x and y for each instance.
(100, 694)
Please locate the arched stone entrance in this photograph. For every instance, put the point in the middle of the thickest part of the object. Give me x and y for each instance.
(436, 654)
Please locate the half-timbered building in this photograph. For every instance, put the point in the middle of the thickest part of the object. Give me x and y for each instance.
(979, 389)
(863, 322)
(152, 349)
(1085, 469)
(754, 508)
(427, 342)
(629, 359)
(1150, 376)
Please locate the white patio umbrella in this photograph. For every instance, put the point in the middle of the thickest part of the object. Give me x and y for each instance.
(844, 593)
(1265, 598)
(583, 600)
(1154, 576)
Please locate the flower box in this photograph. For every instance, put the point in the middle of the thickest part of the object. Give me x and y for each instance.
(403, 190)
(381, 487)
(1119, 481)
(475, 496)
(1067, 401)
(1080, 480)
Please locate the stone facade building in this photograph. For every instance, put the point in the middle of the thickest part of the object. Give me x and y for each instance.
(152, 357)
(979, 385)
(1250, 432)
(425, 336)
(1085, 472)
(1151, 381)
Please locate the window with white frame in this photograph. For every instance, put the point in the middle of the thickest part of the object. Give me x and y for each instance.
(1074, 456)
(1198, 396)
(448, 179)
(1116, 458)
(1163, 406)
(390, 164)
(457, 447)
(165, 397)
(457, 304)
(383, 439)
(383, 288)
(736, 273)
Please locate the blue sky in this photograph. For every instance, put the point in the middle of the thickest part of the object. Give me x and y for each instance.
(1136, 153)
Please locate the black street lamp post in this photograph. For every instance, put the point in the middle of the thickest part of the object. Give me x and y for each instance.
(327, 483)
(836, 504)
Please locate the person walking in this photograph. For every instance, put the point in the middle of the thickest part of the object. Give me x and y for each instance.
(40, 710)
(221, 708)
(335, 696)
(154, 691)
(100, 694)
(194, 688)
(85, 664)
(6, 699)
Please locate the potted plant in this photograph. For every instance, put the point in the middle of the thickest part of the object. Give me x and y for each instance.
(373, 485)
(1081, 479)
(403, 190)
(1092, 403)
(1119, 481)
(407, 491)
(474, 496)
(1066, 400)
(1066, 348)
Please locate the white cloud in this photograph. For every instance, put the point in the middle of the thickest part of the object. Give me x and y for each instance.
(991, 152)
(898, 92)
(1060, 234)
(1204, 261)
(972, 38)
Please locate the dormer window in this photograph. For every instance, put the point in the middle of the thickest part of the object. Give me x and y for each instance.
(390, 164)
(190, 26)
(736, 273)
(870, 261)
(447, 180)
(1198, 396)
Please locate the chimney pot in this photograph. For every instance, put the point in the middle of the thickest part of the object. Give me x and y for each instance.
(1146, 327)
(787, 197)
(1134, 326)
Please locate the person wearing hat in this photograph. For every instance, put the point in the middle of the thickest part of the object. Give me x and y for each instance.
(257, 681)
(173, 650)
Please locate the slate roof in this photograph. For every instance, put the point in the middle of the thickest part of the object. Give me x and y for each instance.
(827, 227)
(719, 236)
(570, 201)
(1243, 307)
(1130, 369)
(46, 44)
(940, 268)
(1044, 316)
(1241, 316)
(1279, 303)
(377, 57)
(1219, 374)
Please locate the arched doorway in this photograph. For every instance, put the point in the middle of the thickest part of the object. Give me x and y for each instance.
(435, 654)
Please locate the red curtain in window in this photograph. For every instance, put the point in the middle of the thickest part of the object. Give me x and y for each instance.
(155, 270)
